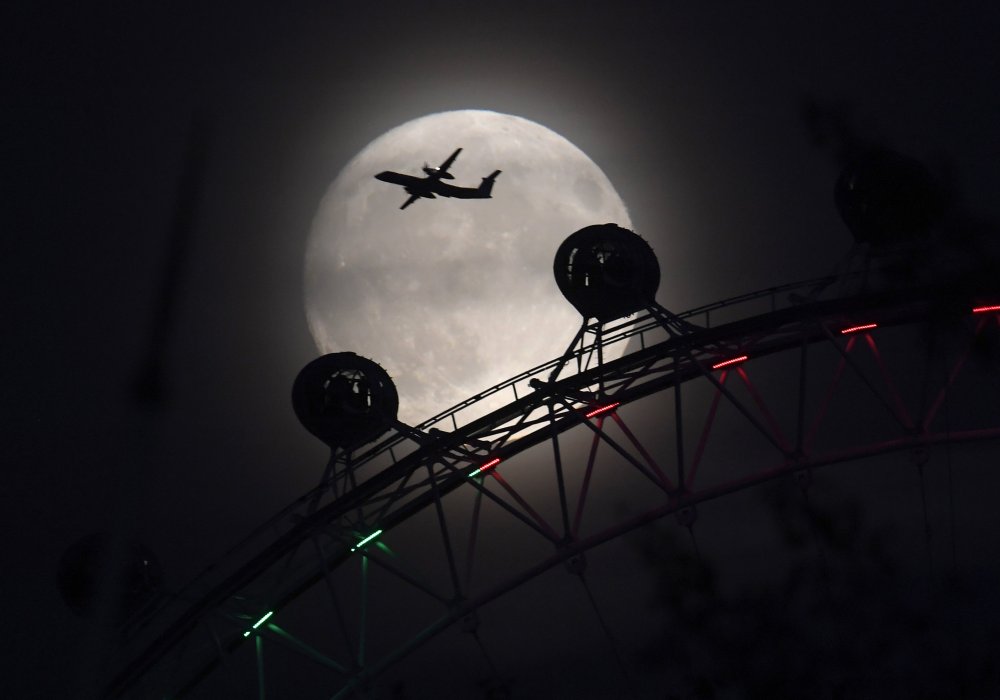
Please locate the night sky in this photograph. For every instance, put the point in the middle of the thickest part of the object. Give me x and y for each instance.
(694, 111)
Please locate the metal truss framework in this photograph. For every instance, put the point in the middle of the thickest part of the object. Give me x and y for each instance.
(368, 494)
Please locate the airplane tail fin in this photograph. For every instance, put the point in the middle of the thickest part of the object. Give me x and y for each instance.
(486, 187)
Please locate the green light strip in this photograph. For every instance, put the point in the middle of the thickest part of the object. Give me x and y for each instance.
(366, 540)
(259, 622)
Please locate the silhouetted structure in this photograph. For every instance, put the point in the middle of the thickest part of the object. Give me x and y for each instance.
(885, 197)
(606, 272)
(101, 575)
(899, 401)
(345, 399)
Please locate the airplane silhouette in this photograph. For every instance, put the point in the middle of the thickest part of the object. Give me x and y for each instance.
(431, 186)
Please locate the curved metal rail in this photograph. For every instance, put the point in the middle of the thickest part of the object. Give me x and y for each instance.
(330, 525)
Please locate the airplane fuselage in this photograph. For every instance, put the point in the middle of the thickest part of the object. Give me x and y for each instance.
(431, 187)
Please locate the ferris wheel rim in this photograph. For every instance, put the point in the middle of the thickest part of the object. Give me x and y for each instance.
(907, 306)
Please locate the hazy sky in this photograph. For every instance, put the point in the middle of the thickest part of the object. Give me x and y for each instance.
(693, 110)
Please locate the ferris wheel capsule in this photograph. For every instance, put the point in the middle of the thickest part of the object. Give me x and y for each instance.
(606, 272)
(887, 198)
(344, 399)
(109, 576)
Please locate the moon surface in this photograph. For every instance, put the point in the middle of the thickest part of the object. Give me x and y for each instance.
(452, 296)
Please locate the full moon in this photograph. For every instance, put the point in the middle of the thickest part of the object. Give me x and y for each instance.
(452, 296)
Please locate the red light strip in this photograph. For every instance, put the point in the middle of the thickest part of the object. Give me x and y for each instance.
(604, 409)
(986, 309)
(486, 467)
(727, 363)
(855, 329)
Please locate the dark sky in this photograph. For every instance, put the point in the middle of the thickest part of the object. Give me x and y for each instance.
(694, 111)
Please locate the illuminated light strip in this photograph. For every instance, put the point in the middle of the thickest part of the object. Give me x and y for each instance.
(986, 309)
(259, 622)
(733, 361)
(486, 467)
(604, 409)
(366, 540)
(855, 329)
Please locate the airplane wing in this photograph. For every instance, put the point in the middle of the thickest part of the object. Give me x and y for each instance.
(410, 201)
(451, 159)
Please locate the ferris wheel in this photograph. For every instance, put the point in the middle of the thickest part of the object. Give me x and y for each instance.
(416, 530)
